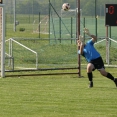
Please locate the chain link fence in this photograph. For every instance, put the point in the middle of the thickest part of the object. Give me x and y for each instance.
(44, 19)
(33, 16)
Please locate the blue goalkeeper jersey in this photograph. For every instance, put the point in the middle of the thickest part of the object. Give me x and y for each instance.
(89, 52)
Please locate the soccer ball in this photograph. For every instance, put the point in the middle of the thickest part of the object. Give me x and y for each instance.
(66, 6)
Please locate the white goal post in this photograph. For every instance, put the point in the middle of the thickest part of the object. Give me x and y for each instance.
(70, 12)
(2, 39)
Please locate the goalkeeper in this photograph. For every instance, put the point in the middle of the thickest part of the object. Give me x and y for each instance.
(93, 58)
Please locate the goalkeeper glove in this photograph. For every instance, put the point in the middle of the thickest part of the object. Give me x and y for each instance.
(81, 39)
(86, 31)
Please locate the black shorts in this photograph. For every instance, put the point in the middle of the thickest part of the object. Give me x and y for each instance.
(98, 63)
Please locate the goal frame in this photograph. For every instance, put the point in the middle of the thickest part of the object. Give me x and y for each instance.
(3, 41)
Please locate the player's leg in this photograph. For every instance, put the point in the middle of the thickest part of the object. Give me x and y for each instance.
(99, 65)
(90, 68)
(108, 75)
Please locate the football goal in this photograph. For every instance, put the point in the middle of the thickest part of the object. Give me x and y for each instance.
(63, 24)
(41, 25)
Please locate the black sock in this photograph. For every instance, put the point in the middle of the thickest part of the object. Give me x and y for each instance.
(90, 76)
(110, 76)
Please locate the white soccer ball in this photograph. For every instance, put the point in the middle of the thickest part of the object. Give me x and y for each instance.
(66, 6)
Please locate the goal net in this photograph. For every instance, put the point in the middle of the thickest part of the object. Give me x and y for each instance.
(41, 26)
(69, 22)
(64, 24)
(2, 40)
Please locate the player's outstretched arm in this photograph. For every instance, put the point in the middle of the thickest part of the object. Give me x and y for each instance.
(86, 31)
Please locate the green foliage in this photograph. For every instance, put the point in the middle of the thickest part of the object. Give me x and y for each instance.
(22, 29)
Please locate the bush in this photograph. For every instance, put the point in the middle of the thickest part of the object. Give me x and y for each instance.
(22, 29)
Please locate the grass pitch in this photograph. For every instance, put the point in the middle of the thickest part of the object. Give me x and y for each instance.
(58, 96)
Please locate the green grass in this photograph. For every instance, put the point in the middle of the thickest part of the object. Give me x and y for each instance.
(28, 23)
(26, 34)
(57, 96)
(56, 55)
